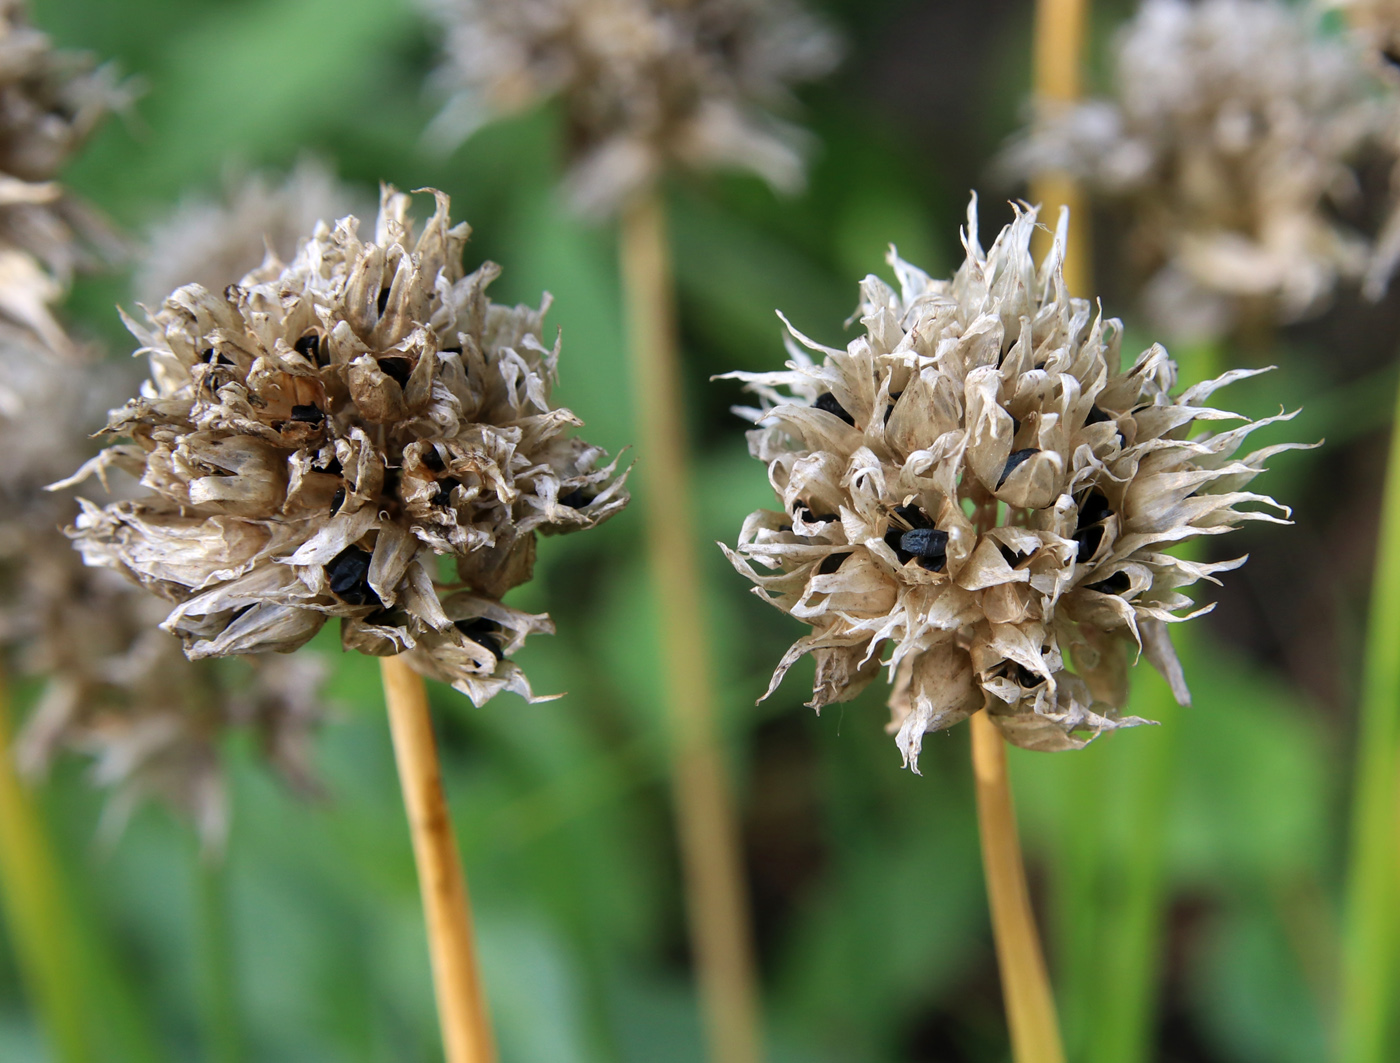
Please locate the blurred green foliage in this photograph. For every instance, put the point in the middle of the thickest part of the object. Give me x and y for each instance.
(872, 925)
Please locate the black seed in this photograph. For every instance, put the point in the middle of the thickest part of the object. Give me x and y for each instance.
(1114, 584)
(349, 577)
(827, 401)
(831, 562)
(1009, 555)
(1087, 542)
(308, 414)
(206, 355)
(391, 483)
(383, 300)
(398, 368)
(211, 357)
(309, 345)
(338, 500)
(1093, 509)
(924, 542)
(894, 397)
(1096, 416)
(1015, 425)
(576, 499)
(451, 350)
(432, 459)
(804, 511)
(1391, 56)
(913, 516)
(1016, 458)
(334, 468)
(444, 492)
(1023, 676)
(482, 631)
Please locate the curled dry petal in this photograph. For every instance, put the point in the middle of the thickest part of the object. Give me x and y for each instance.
(975, 495)
(313, 436)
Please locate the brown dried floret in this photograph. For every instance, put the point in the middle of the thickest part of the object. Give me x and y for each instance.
(978, 498)
(314, 437)
(645, 84)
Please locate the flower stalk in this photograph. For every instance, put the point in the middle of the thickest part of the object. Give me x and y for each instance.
(34, 909)
(1060, 29)
(1366, 1027)
(1030, 1004)
(466, 1027)
(709, 836)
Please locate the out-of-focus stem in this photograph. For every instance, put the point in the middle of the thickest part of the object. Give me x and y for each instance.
(223, 1030)
(466, 1026)
(1025, 985)
(1060, 29)
(1371, 938)
(709, 836)
(35, 911)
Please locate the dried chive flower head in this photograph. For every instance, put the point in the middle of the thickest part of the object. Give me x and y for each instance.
(644, 84)
(216, 242)
(1229, 140)
(313, 437)
(50, 102)
(977, 497)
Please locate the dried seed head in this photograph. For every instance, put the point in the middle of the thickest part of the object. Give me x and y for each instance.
(50, 101)
(215, 243)
(1230, 136)
(645, 84)
(978, 488)
(311, 437)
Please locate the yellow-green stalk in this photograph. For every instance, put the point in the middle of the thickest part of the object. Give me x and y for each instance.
(709, 835)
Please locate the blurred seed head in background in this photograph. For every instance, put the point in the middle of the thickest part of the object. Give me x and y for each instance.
(1231, 137)
(644, 85)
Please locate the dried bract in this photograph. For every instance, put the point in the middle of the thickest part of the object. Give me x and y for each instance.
(1229, 140)
(312, 437)
(978, 488)
(644, 84)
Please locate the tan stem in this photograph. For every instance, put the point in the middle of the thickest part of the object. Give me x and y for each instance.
(1030, 1005)
(1060, 27)
(708, 833)
(466, 1027)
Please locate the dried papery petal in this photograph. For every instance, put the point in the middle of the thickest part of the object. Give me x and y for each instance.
(1231, 137)
(645, 84)
(314, 435)
(977, 496)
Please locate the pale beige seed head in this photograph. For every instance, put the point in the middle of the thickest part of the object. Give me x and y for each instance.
(1229, 139)
(313, 439)
(976, 498)
(50, 102)
(644, 85)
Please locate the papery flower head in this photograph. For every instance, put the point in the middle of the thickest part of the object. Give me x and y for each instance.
(215, 242)
(1229, 138)
(50, 102)
(977, 498)
(313, 438)
(644, 85)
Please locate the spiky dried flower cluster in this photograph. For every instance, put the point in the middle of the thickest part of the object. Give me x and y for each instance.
(312, 437)
(50, 102)
(215, 243)
(1230, 138)
(645, 85)
(977, 487)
